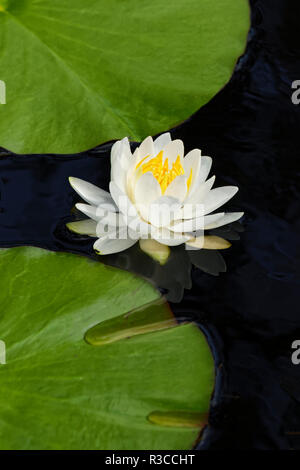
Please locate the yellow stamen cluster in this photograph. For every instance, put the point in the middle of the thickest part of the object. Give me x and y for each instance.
(160, 170)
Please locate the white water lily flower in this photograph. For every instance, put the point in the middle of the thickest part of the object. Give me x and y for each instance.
(158, 196)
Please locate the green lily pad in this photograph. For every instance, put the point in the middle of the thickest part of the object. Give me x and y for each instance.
(62, 387)
(81, 73)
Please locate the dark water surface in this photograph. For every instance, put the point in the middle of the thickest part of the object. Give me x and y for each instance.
(251, 129)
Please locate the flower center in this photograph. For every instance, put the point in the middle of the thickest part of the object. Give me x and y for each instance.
(161, 171)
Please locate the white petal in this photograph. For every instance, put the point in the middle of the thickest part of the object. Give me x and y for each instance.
(217, 197)
(118, 176)
(200, 193)
(110, 221)
(131, 178)
(137, 226)
(107, 207)
(121, 148)
(178, 188)
(205, 167)
(137, 158)
(147, 189)
(121, 159)
(203, 172)
(88, 191)
(224, 219)
(161, 141)
(192, 161)
(156, 250)
(102, 230)
(133, 172)
(146, 148)
(163, 210)
(188, 225)
(122, 200)
(127, 217)
(172, 150)
(83, 227)
(107, 246)
(166, 237)
(212, 219)
(189, 211)
(90, 211)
